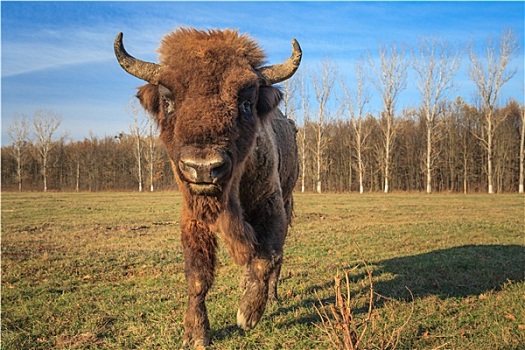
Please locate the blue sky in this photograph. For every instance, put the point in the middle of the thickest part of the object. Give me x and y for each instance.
(58, 56)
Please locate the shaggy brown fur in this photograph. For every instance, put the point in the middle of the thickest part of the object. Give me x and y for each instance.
(214, 113)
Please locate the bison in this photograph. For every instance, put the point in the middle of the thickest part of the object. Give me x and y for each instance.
(234, 157)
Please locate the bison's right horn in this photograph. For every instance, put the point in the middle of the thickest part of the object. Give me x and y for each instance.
(280, 72)
(147, 71)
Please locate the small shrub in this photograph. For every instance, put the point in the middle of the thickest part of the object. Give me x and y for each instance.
(347, 326)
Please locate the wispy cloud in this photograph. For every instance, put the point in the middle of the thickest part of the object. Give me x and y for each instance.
(41, 53)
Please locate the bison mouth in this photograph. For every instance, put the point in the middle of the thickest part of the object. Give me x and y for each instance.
(204, 189)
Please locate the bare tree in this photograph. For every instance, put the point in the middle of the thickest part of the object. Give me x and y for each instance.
(466, 117)
(323, 86)
(305, 107)
(76, 154)
(137, 130)
(522, 149)
(435, 63)
(490, 73)
(289, 89)
(390, 76)
(152, 135)
(19, 133)
(355, 107)
(45, 124)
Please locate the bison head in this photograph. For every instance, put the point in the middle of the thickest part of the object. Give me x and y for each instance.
(209, 94)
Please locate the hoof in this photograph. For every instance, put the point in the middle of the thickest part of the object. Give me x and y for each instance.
(200, 344)
(252, 305)
(245, 322)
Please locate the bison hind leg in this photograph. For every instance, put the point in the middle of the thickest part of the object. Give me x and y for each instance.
(274, 281)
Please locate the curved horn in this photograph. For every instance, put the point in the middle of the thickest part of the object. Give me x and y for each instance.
(280, 72)
(147, 71)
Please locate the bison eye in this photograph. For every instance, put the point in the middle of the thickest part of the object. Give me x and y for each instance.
(245, 107)
(166, 97)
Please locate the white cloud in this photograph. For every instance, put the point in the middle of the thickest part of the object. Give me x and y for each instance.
(52, 49)
(47, 50)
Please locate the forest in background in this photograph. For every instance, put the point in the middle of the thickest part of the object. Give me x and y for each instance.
(443, 144)
(111, 163)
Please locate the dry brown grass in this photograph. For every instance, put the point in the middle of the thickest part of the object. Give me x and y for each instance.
(344, 328)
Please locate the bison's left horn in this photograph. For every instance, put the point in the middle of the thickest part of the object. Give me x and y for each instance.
(280, 72)
(147, 71)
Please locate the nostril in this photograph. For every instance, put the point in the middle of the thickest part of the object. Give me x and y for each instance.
(218, 170)
(189, 169)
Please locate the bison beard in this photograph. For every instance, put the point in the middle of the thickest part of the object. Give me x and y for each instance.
(234, 157)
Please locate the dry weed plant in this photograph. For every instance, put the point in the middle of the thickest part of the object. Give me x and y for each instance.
(347, 330)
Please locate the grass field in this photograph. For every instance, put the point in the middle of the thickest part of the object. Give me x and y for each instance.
(104, 271)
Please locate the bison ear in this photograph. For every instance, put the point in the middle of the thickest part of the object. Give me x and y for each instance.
(148, 96)
(269, 98)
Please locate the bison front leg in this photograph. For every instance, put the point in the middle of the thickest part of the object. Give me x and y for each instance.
(254, 287)
(199, 245)
(262, 272)
(273, 280)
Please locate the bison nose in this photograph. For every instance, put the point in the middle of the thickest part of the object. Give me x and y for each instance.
(204, 171)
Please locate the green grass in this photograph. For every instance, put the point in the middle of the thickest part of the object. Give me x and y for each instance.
(104, 271)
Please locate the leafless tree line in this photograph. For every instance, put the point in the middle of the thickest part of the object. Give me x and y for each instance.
(459, 162)
(38, 160)
(434, 64)
(442, 144)
(352, 155)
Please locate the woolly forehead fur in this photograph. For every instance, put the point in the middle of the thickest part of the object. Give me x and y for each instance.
(190, 45)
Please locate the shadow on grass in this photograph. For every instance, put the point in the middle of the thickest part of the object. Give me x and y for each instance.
(449, 273)
(226, 332)
(452, 273)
